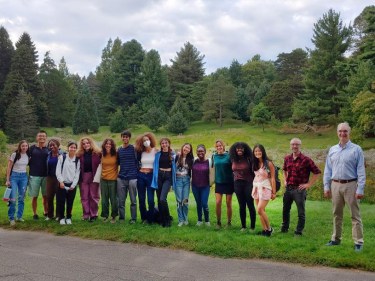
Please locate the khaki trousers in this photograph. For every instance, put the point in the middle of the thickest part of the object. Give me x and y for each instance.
(344, 193)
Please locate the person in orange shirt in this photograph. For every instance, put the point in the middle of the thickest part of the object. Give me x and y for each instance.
(108, 180)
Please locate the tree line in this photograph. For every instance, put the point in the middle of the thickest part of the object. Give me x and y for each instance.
(333, 81)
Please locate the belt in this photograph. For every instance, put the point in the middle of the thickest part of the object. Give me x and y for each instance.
(290, 186)
(344, 181)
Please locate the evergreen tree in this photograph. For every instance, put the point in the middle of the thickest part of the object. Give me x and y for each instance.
(218, 100)
(155, 118)
(261, 115)
(241, 104)
(152, 84)
(85, 118)
(20, 118)
(364, 26)
(117, 121)
(180, 106)
(235, 72)
(177, 123)
(123, 91)
(322, 80)
(186, 68)
(6, 54)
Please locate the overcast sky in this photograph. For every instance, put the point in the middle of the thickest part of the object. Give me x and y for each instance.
(222, 30)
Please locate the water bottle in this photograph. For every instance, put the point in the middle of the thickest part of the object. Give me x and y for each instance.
(7, 193)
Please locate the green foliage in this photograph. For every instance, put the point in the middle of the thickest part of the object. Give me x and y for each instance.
(235, 73)
(180, 106)
(241, 104)
(155, 118)
(85, 118)
(117, 122)
(6, 54)
(261, 115)
(20, 118)
(365, 30)
(3, 142)
(177, 123)
(218, 100)
(364, 109)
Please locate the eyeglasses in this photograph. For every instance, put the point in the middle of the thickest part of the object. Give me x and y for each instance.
(297, 144)
(343, 131)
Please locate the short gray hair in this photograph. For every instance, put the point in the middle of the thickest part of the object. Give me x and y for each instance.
(345, 124)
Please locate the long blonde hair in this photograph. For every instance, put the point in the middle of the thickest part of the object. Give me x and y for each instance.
(94, 147)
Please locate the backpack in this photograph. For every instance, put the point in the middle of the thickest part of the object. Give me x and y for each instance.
(278, 183)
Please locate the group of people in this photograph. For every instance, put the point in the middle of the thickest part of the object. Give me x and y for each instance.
(108, 174)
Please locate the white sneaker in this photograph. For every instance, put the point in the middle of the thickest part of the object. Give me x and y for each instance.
(62, 221)
(199, 223)
(180, 224)
(186, 223)
(68, 221)
(12, 222)
(47, 219)
(208, 224)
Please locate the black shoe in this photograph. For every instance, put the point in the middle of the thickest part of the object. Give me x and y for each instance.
(268, 233)
(297, 233)
(284, 230)
(358, 247)
(92, 219)
(262, 233)
(35, 217)
(333, 243)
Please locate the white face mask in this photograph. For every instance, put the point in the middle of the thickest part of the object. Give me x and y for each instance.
(146, 143)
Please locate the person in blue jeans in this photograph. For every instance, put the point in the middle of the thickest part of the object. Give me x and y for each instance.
(17, 180)
(201, 184)
(184, 162)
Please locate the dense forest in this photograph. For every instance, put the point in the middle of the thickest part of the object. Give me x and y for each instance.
(334, 81)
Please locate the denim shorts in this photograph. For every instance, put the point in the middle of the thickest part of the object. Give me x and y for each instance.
(36, 184)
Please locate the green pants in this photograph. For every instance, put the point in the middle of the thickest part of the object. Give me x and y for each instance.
(108, 190)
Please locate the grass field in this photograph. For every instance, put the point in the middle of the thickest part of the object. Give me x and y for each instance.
(228, 242)
(309, 249)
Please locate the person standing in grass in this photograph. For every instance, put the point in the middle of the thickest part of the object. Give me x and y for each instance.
(127, 177)
(200, 184)
(67, 173)
(52, 182)
(38, 173)
(164, 176)
(89, 155)
(223, 181)
(108, 180)
(242, 166)
(184, 163)
(297, 168)
(344, 182)
(145, 146)
(264, 186)
(16, 179)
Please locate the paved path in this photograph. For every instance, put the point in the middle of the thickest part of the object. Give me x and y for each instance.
(40, 256)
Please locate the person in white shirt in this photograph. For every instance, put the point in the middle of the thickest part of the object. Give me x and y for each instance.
(67, 173)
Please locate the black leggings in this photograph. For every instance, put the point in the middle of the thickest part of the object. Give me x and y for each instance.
(243, 191)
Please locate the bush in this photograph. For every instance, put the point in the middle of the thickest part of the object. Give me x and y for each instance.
(117, 122)
(177, 123)
(155, 118)
(3, 142)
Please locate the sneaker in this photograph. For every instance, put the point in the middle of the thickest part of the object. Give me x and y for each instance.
(47, 219)
(284, 230)
(180, 224)
(68, 221)
(132, 221)
(243, 229)
(333, 243)
(57, 219)
(20, 220)
(199, 223)
(186, 223)
(12, 222)
(297, 233)
(262, 233)
(62, 221)
(208, 223)
(113, 220)
(269, 232)
(218, 225)
(358, 247)
(35, 217)
(105, 219)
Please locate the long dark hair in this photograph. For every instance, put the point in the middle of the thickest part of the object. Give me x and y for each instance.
(169, 148)
(113, 147)
(247, 152)
(18, 150)
(189, 157)
(264, 157)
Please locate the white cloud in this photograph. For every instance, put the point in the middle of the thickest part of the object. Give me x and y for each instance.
(221, 30)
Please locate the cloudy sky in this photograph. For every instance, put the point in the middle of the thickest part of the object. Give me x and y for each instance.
(222, 30)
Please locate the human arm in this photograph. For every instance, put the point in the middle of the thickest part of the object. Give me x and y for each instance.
(59, 172)
(272, 179)
(76, 175)
(361, 173)
(310, 183)
(327, 177)
(9, 169)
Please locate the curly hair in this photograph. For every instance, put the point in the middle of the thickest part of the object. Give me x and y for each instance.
(55, 141)
(94, 148)
(189, 157)
(139, 147)
(264, 156)
(113, 147)
(247, 152)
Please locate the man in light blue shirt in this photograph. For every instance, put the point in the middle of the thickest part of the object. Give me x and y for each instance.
(344, 182)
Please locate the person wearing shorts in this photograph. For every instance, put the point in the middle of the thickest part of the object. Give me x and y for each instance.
(38, 173)
(264, 186)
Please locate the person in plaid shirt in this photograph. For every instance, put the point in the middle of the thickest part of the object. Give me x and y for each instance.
(297, 168)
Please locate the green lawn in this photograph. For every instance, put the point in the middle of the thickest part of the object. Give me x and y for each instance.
(228, 242)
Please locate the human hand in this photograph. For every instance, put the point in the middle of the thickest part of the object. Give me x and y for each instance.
(327, 194)
(7, 183)
(359, 196)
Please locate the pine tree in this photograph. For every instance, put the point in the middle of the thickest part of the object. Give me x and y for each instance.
(6, 54)
(20, 117)
(85, 118)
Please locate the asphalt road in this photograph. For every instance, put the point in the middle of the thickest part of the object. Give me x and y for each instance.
(41, 256)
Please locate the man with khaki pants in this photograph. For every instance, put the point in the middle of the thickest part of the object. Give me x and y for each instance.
(344, 182)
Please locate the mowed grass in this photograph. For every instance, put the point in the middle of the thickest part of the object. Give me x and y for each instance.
(230, 242)
(227, 242)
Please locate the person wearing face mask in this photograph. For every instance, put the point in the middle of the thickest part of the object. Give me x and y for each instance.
(146, 150)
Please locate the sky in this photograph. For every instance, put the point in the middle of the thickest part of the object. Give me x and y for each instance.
(221, 30)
